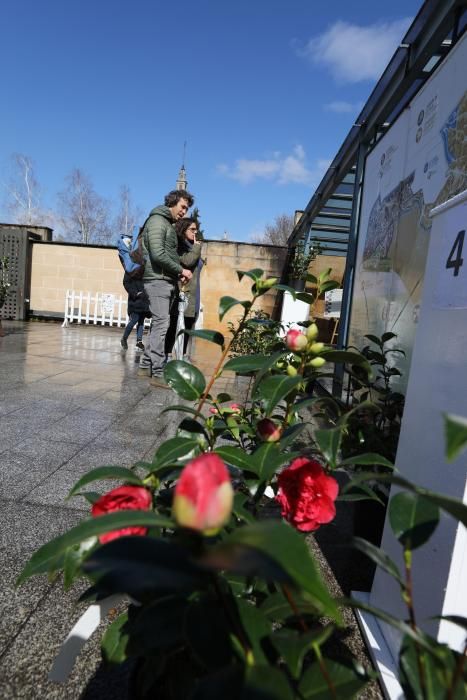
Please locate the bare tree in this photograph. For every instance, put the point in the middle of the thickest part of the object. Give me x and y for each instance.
(22, 192)
(128, 215)
(86, 216)
(278, 232)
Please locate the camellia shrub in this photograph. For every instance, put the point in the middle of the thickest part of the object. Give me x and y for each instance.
(226, 601)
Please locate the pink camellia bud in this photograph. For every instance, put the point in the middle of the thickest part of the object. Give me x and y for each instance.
(213, 410)
(296, 341)
(203, 495)
(236, 408)
(268, 431)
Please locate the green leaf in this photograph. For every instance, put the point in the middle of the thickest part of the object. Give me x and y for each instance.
(453, 506)
(288, 548)
(223, 397)
(438, 673)
(183, 409)
(379, 557)
(207, 632)
(268, 458)
(455, 432)
(311, 278)
(157, 627)
(254, 274)
(45, 558)
(269, 364)
(413, 519)
(205, 334)
(431, 645)
(291, 433)
(368, 458)
(256, 626)
(347, 357)
(305, 297)
(360, 492)
(142, 567)
(286, 288)
(226, 303)
(173, 450)
(120, 473)
(329, 441)
(185, 379)
(246, 363)
(387, 336)
(266, 683)
(327, 286)
(345, 680)
(277, 607)
(237, 457)
(240, 511)
(374, 339)
(115, 640)
(273, 389)
(293, 646)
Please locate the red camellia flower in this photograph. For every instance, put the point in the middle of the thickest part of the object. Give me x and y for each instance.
(295, 340)
(268, 431)
(307, 494)
(122, 498)
(203, 495)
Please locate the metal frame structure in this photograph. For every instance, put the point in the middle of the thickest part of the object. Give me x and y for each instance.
(434, 31)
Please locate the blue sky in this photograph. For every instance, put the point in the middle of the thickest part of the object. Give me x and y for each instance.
(263, 91)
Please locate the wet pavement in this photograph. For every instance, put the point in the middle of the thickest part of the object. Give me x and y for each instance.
(70, 400)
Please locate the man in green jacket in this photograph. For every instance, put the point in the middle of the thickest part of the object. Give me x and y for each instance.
(161, 274)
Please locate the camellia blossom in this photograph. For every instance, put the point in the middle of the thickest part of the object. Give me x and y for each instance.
(213, 410)
(295, 340)
(268, 430)
(203, 497)
(307, 494)
(236, 408)
(122, 498)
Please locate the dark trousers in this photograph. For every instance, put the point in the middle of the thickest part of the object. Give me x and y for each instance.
(137, 320)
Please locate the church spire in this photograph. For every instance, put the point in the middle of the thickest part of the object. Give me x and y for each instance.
(182, 182)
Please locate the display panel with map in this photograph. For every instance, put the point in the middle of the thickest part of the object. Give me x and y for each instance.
(419, 163)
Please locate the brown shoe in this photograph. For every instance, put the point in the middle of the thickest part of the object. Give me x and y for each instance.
(158, 383)
(143, 372)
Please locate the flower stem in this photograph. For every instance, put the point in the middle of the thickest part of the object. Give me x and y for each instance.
(408, 598)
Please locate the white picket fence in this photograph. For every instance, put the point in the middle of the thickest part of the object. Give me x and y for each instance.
(100, 308)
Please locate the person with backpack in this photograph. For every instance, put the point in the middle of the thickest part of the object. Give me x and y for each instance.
(162, 272)
(138, 310)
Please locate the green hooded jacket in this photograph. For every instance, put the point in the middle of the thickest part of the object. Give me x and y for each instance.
(160, 247)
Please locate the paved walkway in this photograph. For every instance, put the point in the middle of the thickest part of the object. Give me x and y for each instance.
(69, 401)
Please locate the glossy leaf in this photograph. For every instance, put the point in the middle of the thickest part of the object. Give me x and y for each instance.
(453, 506)
(360, 492)
(329, 441)
(286, 288)
(172, 450)
(254, 274)
(274, 389)
(455, 431)
(142, 566)
(268, 365)
(413, 518)
(346, 682)
(158, 626)
(289, 550)
(327, 286)
(266, 683)
(311, 278)
(183, 409)
(268, 458)
(373, 339)
(101, 473)
(237, 457)
(185, 379)
(293, 646)
(240, 511)
(256, 627)
(387, 336)
(115, 640)
(207, 631)
(367, 458)
(379, 557)
(44, 558)
(205, 334)
(276, 607)
(438, 673)
(246, 363)
(347, 357)
(305, 297)
(291, 433)
(226, 303)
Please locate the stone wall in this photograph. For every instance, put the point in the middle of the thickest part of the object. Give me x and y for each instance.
(57, 267)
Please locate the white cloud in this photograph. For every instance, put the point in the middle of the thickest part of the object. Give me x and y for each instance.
(280, 169)
(342, 107)
(354, 53)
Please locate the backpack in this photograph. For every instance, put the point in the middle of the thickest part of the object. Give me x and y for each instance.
(130, 252)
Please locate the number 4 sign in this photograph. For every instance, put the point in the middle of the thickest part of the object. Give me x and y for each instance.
(448, 234)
